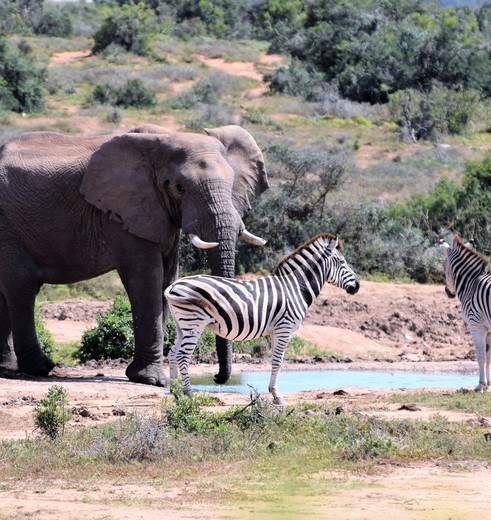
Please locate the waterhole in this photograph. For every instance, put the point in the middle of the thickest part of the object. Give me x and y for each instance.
(301, 380)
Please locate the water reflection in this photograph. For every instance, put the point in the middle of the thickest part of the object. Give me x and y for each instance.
(299, 380)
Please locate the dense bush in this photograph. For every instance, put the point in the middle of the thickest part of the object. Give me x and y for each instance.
(113, 336)
(371, 49)
(429, 115)
(131, 27)
(21, 81)
(132, 94)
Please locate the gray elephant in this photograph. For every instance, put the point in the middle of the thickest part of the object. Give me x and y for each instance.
(72, 208)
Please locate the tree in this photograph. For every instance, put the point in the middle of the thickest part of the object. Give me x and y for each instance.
(130, 27)
(21, 81)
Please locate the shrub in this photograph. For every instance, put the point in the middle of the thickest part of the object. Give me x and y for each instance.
(51, 414)
(113, 337)
(132, 94)
(429, 115)
(55, 22)
(130, 27)
(21, 81)
(298, 79)
(135, 94)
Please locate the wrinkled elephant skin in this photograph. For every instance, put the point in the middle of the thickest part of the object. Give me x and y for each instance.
(72, 208)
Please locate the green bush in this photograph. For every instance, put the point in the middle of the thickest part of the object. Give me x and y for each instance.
(135, 94)
(21, 81)
(113, 336)
(51, 414)
(132, 94)
(44, 336)
(131, 27)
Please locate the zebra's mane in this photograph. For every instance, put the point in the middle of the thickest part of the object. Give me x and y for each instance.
(461, 246)
(304, 246)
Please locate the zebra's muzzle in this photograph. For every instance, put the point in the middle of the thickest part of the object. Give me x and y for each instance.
(353, 289)
(449, 293)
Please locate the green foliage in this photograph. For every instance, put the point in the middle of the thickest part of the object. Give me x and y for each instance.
(131, 27)
(461, 207)
(429, 115)
(51, 413)
(135, 94)
(132, 94)
(43, 334)
(409, 45)
(298, 79)
(21, 81)
(113, 336)
(54, 22)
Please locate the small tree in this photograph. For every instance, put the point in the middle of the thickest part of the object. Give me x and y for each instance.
(51, 413)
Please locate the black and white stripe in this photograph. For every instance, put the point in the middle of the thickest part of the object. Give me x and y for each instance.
(467, 276)
(247, 309)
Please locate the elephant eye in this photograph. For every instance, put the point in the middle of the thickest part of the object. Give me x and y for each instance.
(179, 188)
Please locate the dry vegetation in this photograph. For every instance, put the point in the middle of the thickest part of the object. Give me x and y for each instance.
(396, 326)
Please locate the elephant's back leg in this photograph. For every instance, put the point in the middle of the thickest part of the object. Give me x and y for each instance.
(7, 356)
(19, 285)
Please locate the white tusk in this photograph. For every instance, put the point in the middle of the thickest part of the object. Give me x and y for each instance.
(201, 244)
(252, 239)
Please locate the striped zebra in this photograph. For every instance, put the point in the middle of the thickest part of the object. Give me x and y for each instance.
(247, 309)
(467, 276)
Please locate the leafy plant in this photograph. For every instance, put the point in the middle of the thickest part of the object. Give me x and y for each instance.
(130, 27)
(51, 413)
(113, 336)
(44, 336)
(21, 80)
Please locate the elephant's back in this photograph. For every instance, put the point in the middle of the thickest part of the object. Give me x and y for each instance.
(45, 153)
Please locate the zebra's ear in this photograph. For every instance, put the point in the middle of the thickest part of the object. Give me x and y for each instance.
(444, 246)
(333, 243)
(469, 245)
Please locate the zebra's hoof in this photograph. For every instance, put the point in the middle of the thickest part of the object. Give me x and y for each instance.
(279, 400)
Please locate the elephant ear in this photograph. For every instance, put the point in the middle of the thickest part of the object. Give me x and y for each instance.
(119, 181)
(247, 161)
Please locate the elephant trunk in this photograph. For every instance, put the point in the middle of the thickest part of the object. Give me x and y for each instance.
(222, 262)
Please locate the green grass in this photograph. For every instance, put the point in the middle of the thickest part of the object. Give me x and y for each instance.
(461, 400)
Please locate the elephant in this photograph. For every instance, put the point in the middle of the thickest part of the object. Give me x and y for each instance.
(72, 208)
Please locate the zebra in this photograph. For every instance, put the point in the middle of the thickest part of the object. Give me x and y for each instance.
(467, 276)
(247, 309)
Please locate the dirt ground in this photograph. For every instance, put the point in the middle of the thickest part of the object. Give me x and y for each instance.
(385, 326)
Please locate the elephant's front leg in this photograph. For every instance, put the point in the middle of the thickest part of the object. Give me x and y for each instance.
(142, 277)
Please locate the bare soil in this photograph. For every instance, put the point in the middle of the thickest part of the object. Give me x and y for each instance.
(404, 326)
(385, 325)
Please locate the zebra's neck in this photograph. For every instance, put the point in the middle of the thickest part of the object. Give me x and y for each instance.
(307, 269)
(467, 267)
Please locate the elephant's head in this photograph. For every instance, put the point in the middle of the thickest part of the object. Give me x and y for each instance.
(155, 183)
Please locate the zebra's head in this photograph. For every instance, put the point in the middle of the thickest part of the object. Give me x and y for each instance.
(451, 254)
(338, 271)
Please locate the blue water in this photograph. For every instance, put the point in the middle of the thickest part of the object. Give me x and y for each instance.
(299, 380)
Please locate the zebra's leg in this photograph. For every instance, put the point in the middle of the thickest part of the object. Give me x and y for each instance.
(173, 367)
(479, 337)
(279, 342)
(487, 361)
(180, 355)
